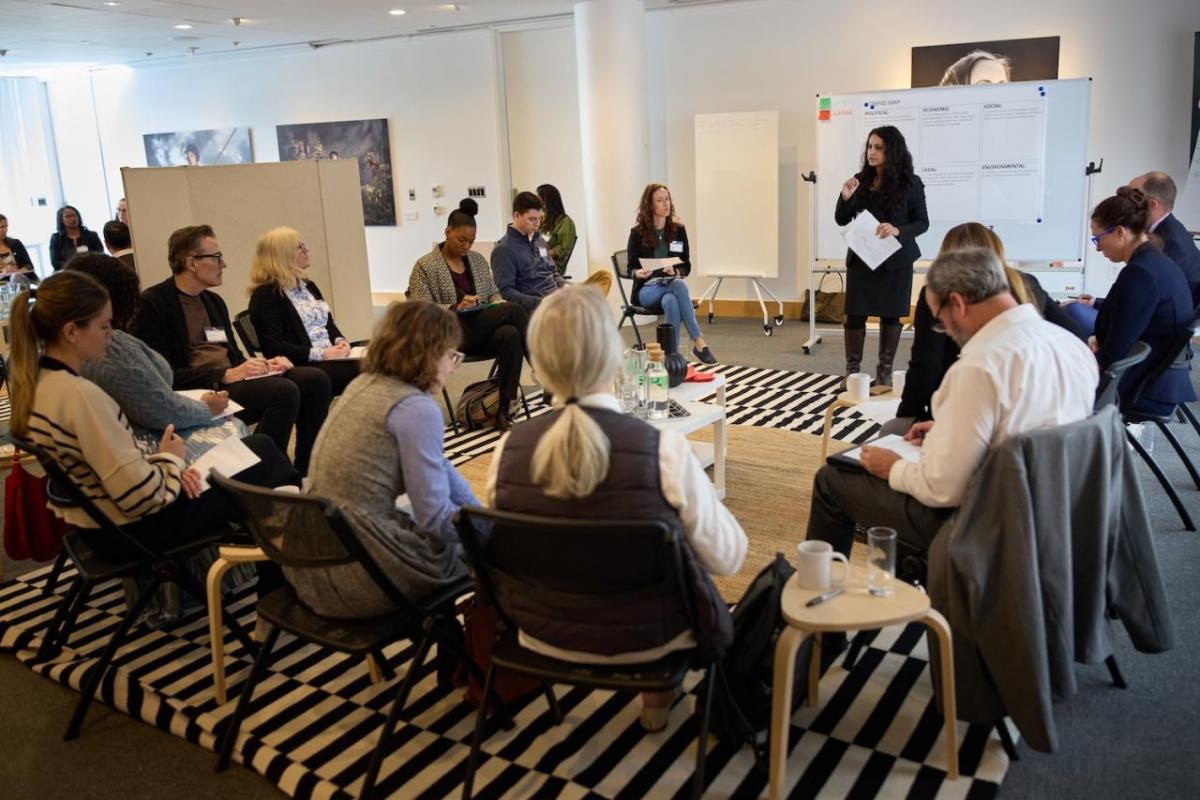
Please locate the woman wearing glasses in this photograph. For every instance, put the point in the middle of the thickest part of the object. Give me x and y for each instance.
(1149, 302)
(384, 439)
(289, 314)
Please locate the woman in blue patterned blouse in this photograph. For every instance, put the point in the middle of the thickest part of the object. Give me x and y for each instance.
(289, 314)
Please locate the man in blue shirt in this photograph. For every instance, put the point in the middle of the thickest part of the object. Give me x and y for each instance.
(521, 261)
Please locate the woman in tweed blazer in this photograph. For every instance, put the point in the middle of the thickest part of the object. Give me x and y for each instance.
(453, 276)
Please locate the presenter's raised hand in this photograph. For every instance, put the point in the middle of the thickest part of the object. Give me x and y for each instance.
(849, 188)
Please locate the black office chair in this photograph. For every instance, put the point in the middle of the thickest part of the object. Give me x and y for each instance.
(102, 554)
(315, 535)
(581, 567)
(1176, 357)
(620, 264)
(245, 331)
(1110, 379)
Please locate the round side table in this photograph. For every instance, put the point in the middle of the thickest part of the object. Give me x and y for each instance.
(853, 610)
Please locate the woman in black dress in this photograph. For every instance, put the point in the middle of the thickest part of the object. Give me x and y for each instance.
(71, 237)
(887, 187)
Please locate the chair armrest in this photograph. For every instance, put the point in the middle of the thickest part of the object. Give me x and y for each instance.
(241, 555)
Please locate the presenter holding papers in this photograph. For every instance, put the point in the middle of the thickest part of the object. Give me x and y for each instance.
(879, 273)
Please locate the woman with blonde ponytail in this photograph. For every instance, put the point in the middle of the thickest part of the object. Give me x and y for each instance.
(588, 460)
(55, 329)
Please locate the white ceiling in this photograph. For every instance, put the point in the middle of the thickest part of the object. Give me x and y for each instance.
(41, 35)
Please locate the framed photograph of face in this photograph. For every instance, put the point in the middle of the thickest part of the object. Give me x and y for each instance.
(970, 63)
(365, 140)
(197, 148)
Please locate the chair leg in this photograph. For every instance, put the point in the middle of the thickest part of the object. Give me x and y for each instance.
(1188, 416)
(216, 628)
(64, 618)
(498, 707)
(856, 646)
(1115, 671)
(477, 736)
(92, 682)
(1183, 456)
(705, 714)
(552, 701)
(60, 561)
(524, 403)
(1006, 741)
(187, 583)
(389, 725)
(450, 411)
(229, 739)
(1162, 479)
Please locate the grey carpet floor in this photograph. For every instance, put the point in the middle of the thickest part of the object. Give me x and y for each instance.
(1137, 743)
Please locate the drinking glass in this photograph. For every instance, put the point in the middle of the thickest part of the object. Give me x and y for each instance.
(881, 561)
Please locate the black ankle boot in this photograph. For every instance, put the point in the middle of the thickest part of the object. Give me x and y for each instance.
(856, 338)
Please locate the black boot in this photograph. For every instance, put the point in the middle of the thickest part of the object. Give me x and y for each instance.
(855, 339)
(889, 340)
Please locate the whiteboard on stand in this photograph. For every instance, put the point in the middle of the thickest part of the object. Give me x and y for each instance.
(1009, 155)
(737, 195)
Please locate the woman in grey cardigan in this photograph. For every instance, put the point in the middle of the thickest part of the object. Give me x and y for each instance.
(455, 276)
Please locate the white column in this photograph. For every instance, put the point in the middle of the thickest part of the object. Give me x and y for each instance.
(610, 39)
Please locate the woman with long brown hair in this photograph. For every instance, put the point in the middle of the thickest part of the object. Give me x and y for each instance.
(659, 234)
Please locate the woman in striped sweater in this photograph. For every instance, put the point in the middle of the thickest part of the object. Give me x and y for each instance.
(69, 317)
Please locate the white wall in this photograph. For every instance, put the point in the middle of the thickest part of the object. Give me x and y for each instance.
(26, 174)
(439, 92)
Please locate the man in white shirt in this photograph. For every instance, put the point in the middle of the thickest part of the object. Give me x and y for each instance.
(1016, 373)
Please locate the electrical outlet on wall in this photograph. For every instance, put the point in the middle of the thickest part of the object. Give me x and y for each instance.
(412, 194)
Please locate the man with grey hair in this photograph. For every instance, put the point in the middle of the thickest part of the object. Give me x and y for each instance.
(1177, 243)
(1017, 373)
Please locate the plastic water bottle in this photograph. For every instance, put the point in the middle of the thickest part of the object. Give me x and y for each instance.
(656, 378)
(631, 382)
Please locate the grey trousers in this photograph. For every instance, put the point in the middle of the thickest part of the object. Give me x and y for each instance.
(843, 498)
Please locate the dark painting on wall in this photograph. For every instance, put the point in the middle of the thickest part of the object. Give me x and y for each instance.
(198, 148)
(1003, 61)
(365, 140)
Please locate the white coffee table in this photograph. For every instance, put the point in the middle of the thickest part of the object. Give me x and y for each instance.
(692, 392)
(701, 416)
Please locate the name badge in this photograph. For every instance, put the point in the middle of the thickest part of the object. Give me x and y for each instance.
(81, 249)
(215, 336)
(676, 247)
(544, 252)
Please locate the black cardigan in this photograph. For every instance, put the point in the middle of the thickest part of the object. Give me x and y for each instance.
(160, 323)
(62, 251)
(637, 250)
(20, 254)
(279, 327)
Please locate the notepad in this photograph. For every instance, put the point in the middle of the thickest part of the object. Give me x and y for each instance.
(865, 242)
(229, 458)
(198, 394)
(358, 352)
(853, 457)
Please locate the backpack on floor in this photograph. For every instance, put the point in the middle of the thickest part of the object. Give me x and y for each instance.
(741, 712)
(479, 406)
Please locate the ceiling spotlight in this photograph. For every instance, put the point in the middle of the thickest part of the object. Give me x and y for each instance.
(449, 7)
(397, 12)
(237, 21)
(149, 53)
(86, 41)
(112, 3)
(183, 26)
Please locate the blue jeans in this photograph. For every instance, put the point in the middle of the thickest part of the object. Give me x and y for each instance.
(674, 302)
(1084, 316)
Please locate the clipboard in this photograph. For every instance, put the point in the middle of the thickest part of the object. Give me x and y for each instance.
(848, 459)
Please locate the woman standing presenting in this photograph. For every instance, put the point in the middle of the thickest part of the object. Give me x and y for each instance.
(888, 189)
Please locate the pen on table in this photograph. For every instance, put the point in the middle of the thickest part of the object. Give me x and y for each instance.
(821, 598)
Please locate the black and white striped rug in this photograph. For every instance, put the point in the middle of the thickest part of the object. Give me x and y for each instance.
(315, 718)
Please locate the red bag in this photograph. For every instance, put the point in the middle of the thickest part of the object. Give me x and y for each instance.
(31, 531)
(481, 621)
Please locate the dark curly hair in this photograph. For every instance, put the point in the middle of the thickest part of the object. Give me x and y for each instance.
(645, 216)
(897, 176)
(122, 284)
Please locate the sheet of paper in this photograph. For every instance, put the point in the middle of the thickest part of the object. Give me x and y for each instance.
(358, 352)
(198, 394)
(893, 442)
(659, 263)
(861, 238)
(264, 375)
(229, 458)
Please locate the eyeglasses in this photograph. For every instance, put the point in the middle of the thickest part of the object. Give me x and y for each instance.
(456, 358)
(302, 247)
(939, 326)
(218, 256)
(1096, 239)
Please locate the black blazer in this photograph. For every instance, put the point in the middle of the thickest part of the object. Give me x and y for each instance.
(1178, 246)
(278, 325)
(160, 324)
(62, 251)
(638, 250)
(910, 217)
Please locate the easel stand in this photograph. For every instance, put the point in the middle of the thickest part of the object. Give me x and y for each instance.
(1090, 171)
(711, 292)
(814, 338)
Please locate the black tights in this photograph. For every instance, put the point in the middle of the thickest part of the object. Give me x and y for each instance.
(854, 323)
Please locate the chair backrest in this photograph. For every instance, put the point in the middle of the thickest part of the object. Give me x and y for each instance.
(573, 563)
(245, 331)
(1110, 379)
(303, 531)
(1179, 349)
(620, 265)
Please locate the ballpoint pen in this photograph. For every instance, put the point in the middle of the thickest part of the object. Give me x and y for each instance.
(821, 598)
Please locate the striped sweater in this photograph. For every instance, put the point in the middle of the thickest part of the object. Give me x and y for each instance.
(86, 433)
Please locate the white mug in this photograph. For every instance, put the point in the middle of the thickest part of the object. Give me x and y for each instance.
(898, 377)
(858, 386)
(814, 565)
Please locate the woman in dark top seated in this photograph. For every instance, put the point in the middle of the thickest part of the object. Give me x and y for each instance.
(455, 276)
(71, 237)
(289, 314)
(933, 352)
(1149, 302)
(14, 258)
(659, 234)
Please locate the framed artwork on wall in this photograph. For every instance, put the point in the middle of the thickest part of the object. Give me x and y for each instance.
(1001, 61)
(197, 148)
(365, 140)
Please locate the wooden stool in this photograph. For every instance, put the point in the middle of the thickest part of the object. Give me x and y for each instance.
(854, 610)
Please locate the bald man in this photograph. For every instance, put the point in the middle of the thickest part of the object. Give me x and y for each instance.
(1177, 242)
